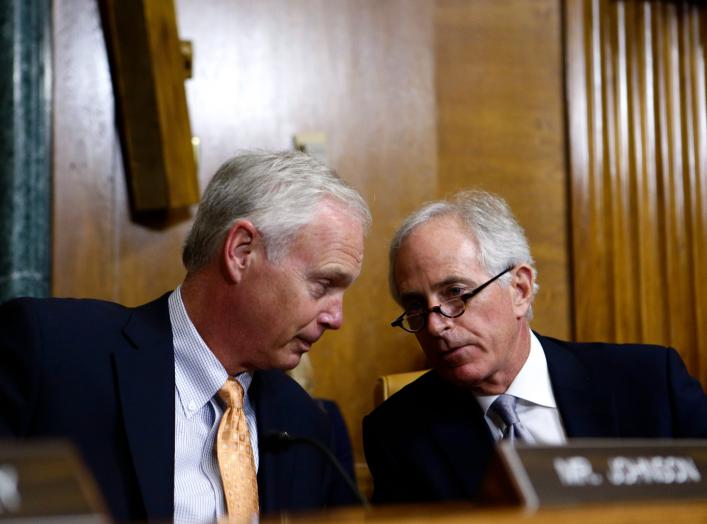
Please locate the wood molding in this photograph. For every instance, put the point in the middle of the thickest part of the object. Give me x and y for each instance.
(148, 74)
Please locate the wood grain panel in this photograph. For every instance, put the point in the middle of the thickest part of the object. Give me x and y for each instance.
(85, 154)
(99, 250)
(636, 96)
(650, 265)
(696, 43)
(657, 512)
(500, 127)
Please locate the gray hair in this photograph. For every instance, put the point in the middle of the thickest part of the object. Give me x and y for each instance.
(278, 192)
(499, 239)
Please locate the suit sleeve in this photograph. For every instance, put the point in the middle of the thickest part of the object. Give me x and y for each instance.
(689, 402)
(19, 337)
(339, 493)
(389, 482)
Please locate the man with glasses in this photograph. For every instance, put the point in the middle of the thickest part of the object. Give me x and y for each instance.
(463, 274)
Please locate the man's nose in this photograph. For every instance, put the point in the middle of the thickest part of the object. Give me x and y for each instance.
(332, 317)
(437, 323)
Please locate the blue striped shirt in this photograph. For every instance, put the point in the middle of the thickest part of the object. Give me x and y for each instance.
(198, 493)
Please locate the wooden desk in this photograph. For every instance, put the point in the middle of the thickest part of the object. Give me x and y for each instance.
(658, 513)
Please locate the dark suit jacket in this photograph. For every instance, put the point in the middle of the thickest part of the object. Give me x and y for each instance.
(102, 375)
(430, 441)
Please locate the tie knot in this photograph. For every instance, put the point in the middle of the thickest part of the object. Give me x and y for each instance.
(505, 407)
(232, 393)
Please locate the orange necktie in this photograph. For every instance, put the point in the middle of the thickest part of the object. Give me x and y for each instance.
(235, 456)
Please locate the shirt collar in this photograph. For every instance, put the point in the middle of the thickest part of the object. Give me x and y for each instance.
(532, 383)
(198, 373)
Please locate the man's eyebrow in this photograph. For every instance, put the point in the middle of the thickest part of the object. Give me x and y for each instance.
(450, 280)
(454, 279)
(335, 276)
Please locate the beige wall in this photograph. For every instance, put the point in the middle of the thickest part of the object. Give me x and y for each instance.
(416, 98)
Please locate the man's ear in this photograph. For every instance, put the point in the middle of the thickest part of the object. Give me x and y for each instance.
(239, 249)
(522, 289)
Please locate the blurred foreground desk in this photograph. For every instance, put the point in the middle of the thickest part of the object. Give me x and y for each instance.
(673, 513)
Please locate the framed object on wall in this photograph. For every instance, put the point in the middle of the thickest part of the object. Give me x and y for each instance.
(149, 66)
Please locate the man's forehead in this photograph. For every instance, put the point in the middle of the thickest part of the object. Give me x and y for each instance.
(435, 243)
(436, 255)
(448, 228)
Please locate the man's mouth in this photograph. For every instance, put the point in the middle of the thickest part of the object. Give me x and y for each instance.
(453, 353)
(450, 348)
(448, 352)
(305, 344)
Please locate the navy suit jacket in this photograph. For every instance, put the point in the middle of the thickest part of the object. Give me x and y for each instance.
(102, 376)
(430, 441)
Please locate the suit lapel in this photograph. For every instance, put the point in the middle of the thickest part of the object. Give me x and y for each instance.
(459, 424)
(276, 471)
(145, 375)
(587, 409)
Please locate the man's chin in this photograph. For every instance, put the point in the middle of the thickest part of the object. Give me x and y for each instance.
(466, 376)
(287, 365)
(290, 361)
(289, 356)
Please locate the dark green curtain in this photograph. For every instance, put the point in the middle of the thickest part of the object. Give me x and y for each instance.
(25, 148)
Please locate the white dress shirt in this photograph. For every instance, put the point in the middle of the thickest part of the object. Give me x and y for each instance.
(536, 406)
(198, 492)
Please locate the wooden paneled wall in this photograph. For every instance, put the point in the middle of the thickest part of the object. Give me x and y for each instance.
(501, 128)
(98, 250)
(417, 98)
(638, 150)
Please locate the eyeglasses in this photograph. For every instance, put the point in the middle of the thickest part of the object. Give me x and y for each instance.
(414, 321)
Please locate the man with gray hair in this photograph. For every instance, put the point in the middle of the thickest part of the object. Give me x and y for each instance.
(463, 274)
(174, 404)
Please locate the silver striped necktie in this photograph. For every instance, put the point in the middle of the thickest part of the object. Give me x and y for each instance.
(505, 407)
